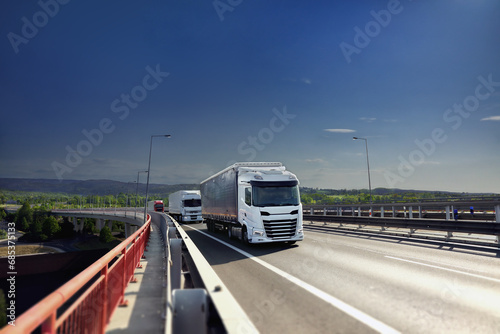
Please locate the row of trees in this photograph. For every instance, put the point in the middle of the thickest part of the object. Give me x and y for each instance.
(379, 195)
(48, 201)
(39, 225)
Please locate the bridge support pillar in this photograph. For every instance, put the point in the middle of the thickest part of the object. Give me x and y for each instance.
(100, 223)
(78, 226)
(110, 225)
(130, 229)
(448, 212)
(420, 212)
(311, 211)
(410, 212)
(382, 212)
(497, 214)
(393, 212)
(352, 210)
(324, 212)
(359, 211)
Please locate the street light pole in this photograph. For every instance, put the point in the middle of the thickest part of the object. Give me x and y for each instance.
(368, 164)
(136, 191)
(149, 172)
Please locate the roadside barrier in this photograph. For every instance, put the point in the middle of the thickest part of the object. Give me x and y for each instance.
(86, 302)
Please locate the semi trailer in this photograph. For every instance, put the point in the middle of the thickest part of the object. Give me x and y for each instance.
(185, 206)
(256, 202)
(155, 206)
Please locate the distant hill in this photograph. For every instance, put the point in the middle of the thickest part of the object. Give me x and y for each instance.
(89, 187)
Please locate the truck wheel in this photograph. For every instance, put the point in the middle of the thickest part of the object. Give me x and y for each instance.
(244, 235)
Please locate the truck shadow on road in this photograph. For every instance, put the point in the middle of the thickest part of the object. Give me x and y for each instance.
(216, 252)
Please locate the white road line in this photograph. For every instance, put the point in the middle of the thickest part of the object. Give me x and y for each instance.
(348, 309)
(446, 269)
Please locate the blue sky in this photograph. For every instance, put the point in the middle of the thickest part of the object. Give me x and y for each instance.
(85, 85)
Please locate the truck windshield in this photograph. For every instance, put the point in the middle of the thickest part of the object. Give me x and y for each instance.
(191, 203)
(276, 196)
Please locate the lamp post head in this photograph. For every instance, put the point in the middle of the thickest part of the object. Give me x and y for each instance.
(354, 138)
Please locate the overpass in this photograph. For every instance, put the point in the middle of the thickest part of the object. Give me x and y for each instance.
(336, 280)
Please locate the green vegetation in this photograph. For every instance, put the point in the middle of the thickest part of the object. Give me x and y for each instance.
(379, 195)
(105, 235)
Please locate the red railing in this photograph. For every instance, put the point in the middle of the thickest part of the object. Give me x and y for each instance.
(92, 310)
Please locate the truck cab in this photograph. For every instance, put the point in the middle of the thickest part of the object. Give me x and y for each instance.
(269, 205)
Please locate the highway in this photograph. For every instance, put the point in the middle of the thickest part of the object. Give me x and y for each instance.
(347, 282)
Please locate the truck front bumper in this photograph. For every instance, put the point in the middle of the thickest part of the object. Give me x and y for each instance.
(259, 237)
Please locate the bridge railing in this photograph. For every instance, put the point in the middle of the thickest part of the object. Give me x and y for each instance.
(481, 210)
(98, 290)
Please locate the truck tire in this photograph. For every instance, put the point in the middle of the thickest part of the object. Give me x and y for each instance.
(244, 236)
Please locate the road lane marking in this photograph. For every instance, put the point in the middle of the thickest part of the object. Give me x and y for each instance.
(346, 308)
(446, 269)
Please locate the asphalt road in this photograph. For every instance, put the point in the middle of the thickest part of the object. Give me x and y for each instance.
(346, 282)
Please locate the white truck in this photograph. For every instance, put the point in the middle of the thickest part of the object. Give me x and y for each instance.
(257, 202)
(185, 206)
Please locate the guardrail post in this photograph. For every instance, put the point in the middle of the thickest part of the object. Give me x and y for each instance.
(176, 263)
(104, 296)
(339, 210)
(49, 325)
(393, 211)
(420, 212)
(382, 212)
(352, 210)
(410, 212)
(447, 212)
(324, 212)
(311, 211)
(497, 213)
(359, 211)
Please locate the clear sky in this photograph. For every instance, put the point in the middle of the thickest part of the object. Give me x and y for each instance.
(84, 84)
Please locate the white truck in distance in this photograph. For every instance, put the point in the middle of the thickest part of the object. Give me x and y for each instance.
(185, 206)
(257, 202)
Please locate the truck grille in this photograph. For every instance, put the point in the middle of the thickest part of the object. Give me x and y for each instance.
(280, 229)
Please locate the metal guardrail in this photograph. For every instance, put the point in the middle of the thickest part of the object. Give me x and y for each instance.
(92, 310)
(196, 307)
(482, 210)
(448, 226)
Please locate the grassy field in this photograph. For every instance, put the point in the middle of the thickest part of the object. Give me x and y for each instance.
(28, 249)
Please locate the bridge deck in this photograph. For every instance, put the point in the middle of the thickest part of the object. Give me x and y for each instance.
(145, 310)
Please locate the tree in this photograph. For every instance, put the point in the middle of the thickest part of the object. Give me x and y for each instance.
(105, 235)
(24, 226)
(24, 211)
(50, 227)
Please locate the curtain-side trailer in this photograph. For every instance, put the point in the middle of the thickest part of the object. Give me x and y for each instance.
(257, 202)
